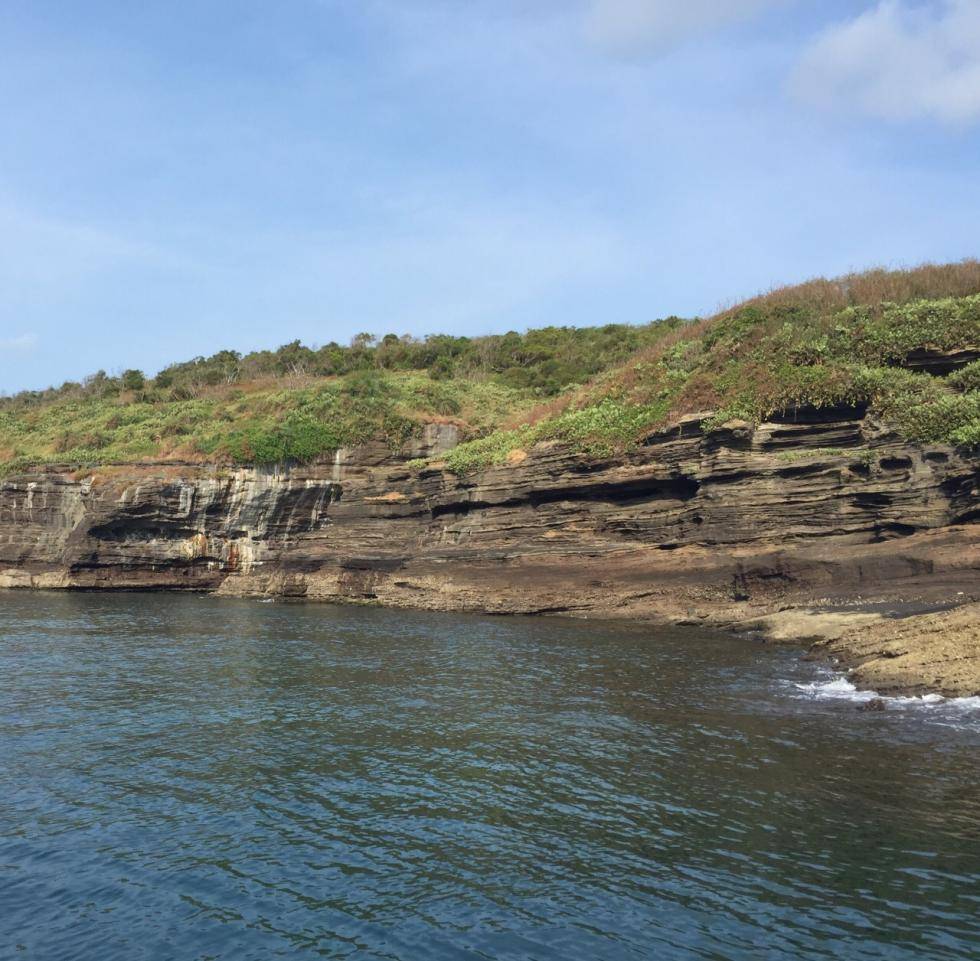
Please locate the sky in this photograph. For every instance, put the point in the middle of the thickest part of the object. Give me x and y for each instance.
(182, 177)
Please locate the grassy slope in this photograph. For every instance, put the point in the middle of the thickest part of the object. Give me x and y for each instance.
(297, 404)
(298, 418)
(818, 344)
(821, 344)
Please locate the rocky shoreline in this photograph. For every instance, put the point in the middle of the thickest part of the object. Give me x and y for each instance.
(819, 526)
(930, 653)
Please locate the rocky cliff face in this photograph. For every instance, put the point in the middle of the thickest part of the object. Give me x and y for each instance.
(729, 526)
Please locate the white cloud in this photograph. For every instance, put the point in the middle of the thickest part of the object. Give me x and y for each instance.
(22, 342)
(654, 26)
(899, 62)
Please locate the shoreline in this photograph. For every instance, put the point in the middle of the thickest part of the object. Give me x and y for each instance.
(910, 650)
(921, 654)
(699, 525)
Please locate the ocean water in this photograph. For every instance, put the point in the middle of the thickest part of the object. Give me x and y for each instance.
(189, 778)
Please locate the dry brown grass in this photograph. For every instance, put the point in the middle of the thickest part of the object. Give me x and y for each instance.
(184, 452)
(826, 296)
(692, 331)
(258, 385)
(392, 497)
(540, 412)
(875, 286)
(424, 417)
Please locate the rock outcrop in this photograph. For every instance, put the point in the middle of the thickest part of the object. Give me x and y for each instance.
(937, 653)
(821, 510)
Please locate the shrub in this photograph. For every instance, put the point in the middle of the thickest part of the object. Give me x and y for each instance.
(297, 437)
(967, 378)
(133, 380)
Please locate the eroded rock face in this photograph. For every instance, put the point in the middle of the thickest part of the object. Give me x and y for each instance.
(724, 526)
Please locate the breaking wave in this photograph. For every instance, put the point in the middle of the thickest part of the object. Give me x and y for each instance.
(841, 689)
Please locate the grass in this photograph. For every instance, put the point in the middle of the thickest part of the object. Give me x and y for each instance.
(264, 423)
(820, 344)
(795, 456)
(598, 431)
(793, 349)
(798, 456)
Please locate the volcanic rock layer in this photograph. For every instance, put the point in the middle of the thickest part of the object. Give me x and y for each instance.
(738, 526)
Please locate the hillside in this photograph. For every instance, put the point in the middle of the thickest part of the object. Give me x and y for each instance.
(298, 403)
(903, 343)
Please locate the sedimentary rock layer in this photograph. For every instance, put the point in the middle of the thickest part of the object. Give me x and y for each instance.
(725, 525)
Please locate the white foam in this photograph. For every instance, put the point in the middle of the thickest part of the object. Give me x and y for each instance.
(838, 689)
(841, 689)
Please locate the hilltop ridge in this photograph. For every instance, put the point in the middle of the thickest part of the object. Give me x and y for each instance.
(904, 342)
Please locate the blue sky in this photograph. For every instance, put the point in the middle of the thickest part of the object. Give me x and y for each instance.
(181, 177)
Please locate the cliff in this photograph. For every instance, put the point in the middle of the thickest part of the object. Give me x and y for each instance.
(739, 525)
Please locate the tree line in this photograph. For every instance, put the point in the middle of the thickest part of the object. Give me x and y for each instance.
(546, 360)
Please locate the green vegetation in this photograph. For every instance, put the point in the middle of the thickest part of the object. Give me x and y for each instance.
(967, 378)
(798, 456)
(298, 403)
(597, 430)
(850, 357)
(264, 423)
(822, 344)
(795, 456)
(545, 361)
(825, 343)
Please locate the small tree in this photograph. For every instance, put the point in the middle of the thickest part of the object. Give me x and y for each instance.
(133, 380)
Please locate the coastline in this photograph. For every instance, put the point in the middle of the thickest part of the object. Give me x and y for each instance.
(913, 651)
(928, 653)
(853, 542)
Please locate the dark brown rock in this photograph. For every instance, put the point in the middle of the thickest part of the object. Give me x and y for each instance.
(730, 526)
(875, 705)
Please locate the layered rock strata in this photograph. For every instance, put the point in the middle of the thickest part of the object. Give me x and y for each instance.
(735, 526)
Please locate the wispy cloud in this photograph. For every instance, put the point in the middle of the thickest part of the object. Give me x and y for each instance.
(652, 27)
(21, 342)
(899, 62)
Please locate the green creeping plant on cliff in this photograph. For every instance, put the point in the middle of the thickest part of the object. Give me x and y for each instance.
(753, 363)
(596, 390)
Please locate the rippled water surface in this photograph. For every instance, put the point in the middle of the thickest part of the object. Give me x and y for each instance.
(190, 778)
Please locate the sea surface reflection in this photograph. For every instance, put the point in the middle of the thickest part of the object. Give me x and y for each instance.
(196, 778)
